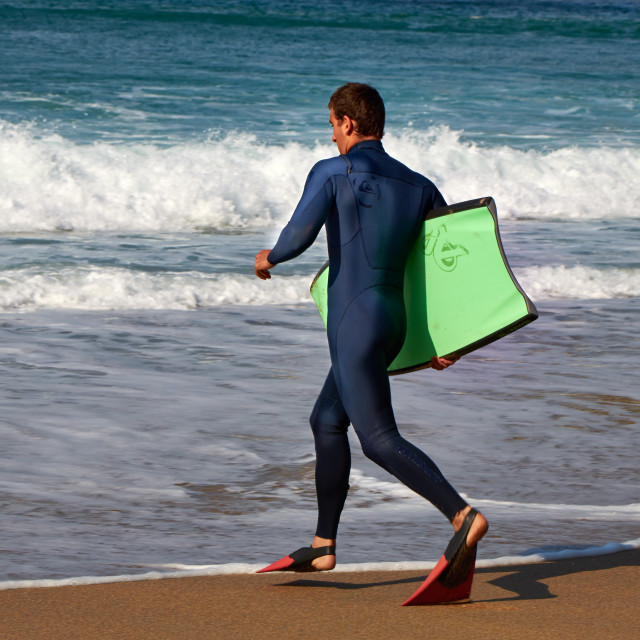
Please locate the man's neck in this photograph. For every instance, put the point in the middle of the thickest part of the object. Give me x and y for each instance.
(355, 139)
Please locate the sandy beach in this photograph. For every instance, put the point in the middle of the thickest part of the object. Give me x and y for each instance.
(594, 597)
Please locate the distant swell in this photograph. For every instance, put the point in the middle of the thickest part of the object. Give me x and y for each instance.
(49, 184)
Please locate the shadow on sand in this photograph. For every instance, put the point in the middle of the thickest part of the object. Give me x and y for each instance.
(526, 581)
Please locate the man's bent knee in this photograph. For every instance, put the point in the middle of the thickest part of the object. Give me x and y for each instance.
(328, 417)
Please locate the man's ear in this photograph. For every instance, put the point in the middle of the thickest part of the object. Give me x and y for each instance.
(350, 125)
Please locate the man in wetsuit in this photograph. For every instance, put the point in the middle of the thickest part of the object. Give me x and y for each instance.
(372, 207)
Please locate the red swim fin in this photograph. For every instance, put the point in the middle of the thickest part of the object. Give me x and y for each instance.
(278, 565)
(434, 589)
(300, 560)
(451, 578)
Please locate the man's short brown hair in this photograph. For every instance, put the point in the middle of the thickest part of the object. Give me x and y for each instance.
(362, 104)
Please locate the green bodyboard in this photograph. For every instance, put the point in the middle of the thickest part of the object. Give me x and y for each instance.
(459, 291)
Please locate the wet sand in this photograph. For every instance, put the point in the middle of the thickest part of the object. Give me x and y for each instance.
(582, 598)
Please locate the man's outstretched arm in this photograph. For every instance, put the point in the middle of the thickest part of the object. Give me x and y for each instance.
(306, 221)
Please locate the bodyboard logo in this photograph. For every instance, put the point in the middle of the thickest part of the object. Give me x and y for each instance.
(445, 253)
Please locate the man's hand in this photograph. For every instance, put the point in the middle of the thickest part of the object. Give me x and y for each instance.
(262, 265)
(442, 363)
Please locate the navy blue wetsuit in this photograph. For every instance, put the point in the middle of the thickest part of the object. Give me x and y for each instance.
(372, 207)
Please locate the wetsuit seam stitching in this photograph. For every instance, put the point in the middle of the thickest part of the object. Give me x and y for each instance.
(355, 205)
(373, 286)
(306, 245)
(381, 175)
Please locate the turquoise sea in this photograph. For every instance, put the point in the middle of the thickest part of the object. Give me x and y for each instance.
(154, 394)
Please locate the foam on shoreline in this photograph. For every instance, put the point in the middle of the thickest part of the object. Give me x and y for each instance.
(185, 571)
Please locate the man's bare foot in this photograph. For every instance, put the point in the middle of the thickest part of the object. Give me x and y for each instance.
(479, 527)
(324, 563)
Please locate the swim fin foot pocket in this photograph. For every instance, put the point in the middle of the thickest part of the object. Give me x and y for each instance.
(452, 577)
(300, 560)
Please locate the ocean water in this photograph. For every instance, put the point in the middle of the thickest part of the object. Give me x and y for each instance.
(155, 395)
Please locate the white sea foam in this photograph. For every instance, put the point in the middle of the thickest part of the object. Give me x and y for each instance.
(624, 512)
(99, 288)
(175, 570)
(116, 288)
(48, 183)
(579, 282)
(365, 486)
(567, 183)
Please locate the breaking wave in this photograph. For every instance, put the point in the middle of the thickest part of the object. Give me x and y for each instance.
(48, 183)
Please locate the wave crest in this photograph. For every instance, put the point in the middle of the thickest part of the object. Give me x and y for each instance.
(98, 288)
(579, 283)
(48, 183)
(116, 288)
